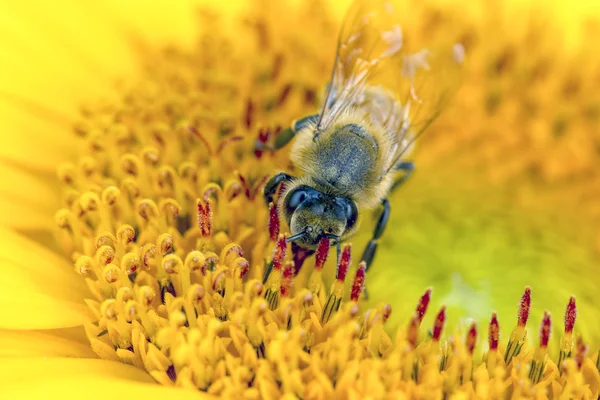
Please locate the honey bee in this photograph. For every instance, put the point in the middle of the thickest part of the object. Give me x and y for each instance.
(352, 153)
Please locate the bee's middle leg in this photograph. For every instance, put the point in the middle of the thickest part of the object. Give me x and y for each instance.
(369, 253)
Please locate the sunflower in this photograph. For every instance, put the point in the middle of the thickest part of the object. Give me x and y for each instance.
(139, 258)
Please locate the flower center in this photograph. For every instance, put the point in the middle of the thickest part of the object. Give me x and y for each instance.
(191, 276)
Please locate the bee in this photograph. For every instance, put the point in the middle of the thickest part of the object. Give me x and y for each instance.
(352, 153)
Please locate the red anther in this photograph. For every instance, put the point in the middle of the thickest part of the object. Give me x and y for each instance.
(570, 315)
(273, 222)
(218, 279)
(524, 307)
(286, 279)
(285, 92)
(277, 66)
(205, 218)
(257, 186)
(345, 260)
(244, 268)
(245, 185)
(212, 190)
(386, 312)
(322, 253)
(263, 138)
(226, 141)
(438, 325)
(581, 350)
(545, 330)
(249, 116)
(423, 304)
(412, 331)
(279, 252)
(235, 249)
(494, 333)
(200, 136)
(471, 339)
(359, 282)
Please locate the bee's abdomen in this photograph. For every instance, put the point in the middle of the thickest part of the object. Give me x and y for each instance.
(347, 158)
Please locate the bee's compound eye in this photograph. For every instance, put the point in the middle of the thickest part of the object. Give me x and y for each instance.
(351, 214)
(297, 197)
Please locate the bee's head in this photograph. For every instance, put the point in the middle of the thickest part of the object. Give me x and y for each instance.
(313, 215)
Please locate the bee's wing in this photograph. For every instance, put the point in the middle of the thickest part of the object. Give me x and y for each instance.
(399, 88)
(369, 35)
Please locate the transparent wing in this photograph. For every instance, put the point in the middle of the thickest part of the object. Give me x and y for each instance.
(369, 35)
(399, 83)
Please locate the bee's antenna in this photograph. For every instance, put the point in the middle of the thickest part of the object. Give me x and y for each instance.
(296, 236)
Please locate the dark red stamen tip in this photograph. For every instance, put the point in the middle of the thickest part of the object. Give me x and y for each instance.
(204, 218)
(438, 325)
(359, 282)
(471, 339)
(545, 330)
(524, 307)
(200, 136)
(245, 185)
(494, 333)
(286, 279)
(345, 260)
(258, 186)
(570, 315)
(387, 311)
(244, 266)
(423, 304)
(279, 252)
(322, 253)
(284, 94)
(273, 222)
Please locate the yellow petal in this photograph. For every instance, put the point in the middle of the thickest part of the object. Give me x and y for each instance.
(70, 342)
(27, 378)
(26, 201)
(39, 288)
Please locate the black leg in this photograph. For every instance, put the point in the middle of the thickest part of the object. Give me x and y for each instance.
(273, 184)
(369, 253)
(287, 135)
(408, 167)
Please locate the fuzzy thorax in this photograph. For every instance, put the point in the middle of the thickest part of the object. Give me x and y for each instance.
(348, 159)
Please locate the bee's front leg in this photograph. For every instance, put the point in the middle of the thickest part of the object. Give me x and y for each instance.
(286, 136)
(369, 253)
(273, 184)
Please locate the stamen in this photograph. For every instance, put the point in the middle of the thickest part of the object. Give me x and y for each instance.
(494, 333)
(538, 363)
(322, 253)
(358, 285)
(566, 342)
(519, 334)
(423, 304)
(471, 339)
(273, 222)
(204, 217)
(344, 264)
(438, 325)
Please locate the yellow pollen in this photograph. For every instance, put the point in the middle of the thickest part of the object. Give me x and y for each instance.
(164, 217)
